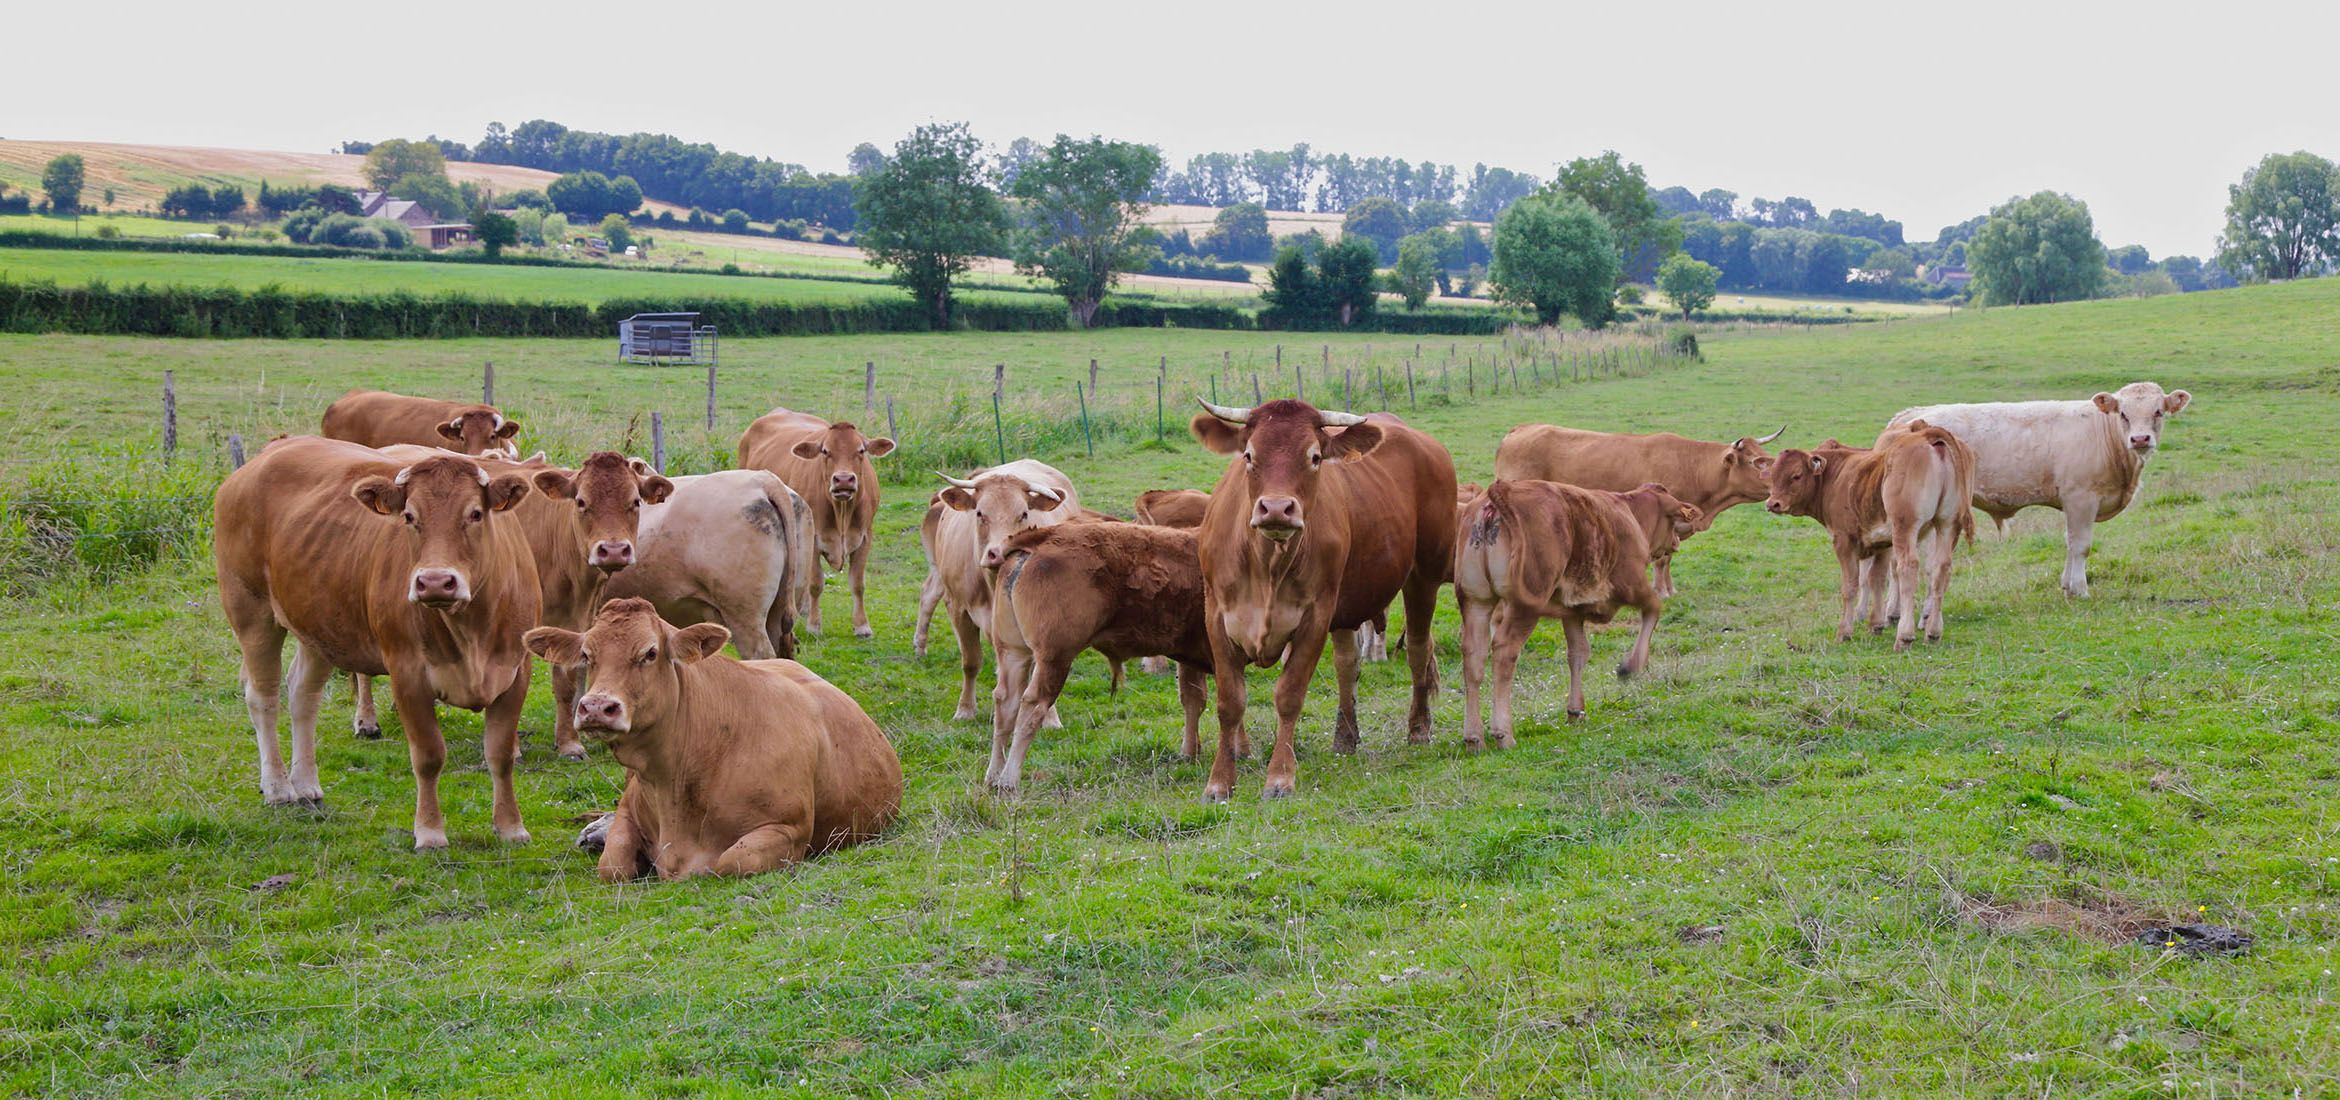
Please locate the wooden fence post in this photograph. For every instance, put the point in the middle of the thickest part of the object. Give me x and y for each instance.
(998, 429)
(890, 432)
(1092, 376)
(170, 415)
(487, 383)
(868, 386)
(1409, 383)
(1256, 398)
(710, 397)
(1086, 438)
(658, 441)
(1159, 379)
(998, 383)
(235, 451)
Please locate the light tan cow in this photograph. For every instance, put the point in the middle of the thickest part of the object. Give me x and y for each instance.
(964, 535)
(734, 547)
(1909, 498)
(415, 570)
(379, 419)
(829, 466)
(1711, 477)
(732, 767)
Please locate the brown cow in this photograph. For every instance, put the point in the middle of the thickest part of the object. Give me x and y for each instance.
(963, 534)
(829, 465)
(580, 528)
(732, 767)
(379, 419)
(1534, 550)
(1182, 508)
(1124, 590)
(415, 570)
(1321, 519)
(1910, 496)
(733, 547)
(1711, 477)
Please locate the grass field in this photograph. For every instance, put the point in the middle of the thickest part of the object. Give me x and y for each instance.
(1774, 866)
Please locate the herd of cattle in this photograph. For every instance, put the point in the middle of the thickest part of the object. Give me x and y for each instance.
(409, 539)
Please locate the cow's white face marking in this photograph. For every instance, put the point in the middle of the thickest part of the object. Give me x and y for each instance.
(2138, 411)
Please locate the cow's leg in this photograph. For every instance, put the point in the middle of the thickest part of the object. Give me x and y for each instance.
(364, 720)
(1637, 658)
(860, 568)
(304, 694)
(624, 857)
(564, 692)
(1044, 680)
(1153, 666)
(1880, 594)
(2079, 533)
(970, 663)
(779, 627)
(501, 736)
(1905, 576)
(1011, 674)
(426, 752)
(1579, 652)
(1945, 550)
(1344, 643)
(1421, 598)
(1477, 622)
(1848, 563)
(262, 642)
(1190, 698)
(1229, 684)
(1512, 629)
(1120, 676)
(812, 598)
(1291, 693)
(1664, 575)
(929, 594)
(767, 848)
(752, 639)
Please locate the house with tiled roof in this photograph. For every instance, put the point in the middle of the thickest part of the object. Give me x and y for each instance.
(428, 231)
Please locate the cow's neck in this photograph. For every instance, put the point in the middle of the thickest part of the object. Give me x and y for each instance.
(2128, 467)
(661, 758)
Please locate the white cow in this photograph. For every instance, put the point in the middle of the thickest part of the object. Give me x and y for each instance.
(2084, 458)
(735, 548)
(965, 527)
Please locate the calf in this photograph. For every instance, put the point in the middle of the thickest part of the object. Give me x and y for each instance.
(1124, 590)
(829, 465)
(379, 419)
(416, 570)
(2083, 458)
(1910, 497)
(734, 548)
(732, 767)
(964, 533)
(1533, 550)
(1711, 477)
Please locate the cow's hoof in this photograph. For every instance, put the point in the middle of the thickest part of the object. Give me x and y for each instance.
(429, 839)
(1215, 793)
(1576, 716)
(1625, 672)
(918, 650)
(1504, 741)
(515, 835)
(965, 714)
(1901, 645)
(1276, 789)
(1417, 737)
(569, 752)
(595, 835)
(864, 632)
(1474, 744)
(366, 728)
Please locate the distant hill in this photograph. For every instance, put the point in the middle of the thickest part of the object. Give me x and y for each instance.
(140, 174)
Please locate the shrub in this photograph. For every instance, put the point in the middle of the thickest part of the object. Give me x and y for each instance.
(735, 220)
(107, 232)
(360, 236)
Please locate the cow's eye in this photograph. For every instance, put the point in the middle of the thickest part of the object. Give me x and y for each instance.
(408, 517)
(475, 516)
(1315, 458)
(1022, 516)
(649, 655)
(636, 505)
(1247, 458)
(580, 504)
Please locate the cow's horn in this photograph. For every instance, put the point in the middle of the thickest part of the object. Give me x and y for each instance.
(1775, 435)
(1228, 413)
(1331, 419)
(955, 481)
(1045, 491)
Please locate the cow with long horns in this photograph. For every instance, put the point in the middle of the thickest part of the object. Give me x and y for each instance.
(1321, 519)
(1710, 477)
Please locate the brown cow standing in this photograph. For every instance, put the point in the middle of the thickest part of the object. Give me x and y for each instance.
(1124, 590)
(1910, 496)
(1181, 508)
(580, 528)
(379, 419)
(829, 465)
(1711, 477)
(732, 767)
(415, 570)
(1320, 521)
(1534, 550)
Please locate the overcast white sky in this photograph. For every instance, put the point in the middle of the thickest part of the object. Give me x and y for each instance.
(1925, 114)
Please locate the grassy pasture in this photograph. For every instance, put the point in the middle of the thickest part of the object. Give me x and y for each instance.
(1775, 865)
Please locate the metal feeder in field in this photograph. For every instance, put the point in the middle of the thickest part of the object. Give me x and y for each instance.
(656, 338)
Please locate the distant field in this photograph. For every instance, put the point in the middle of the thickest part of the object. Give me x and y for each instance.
(1738, 301)
(128, 225)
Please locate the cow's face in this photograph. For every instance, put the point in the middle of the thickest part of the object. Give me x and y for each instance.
(609, 492)
(1664, 517)
(1795, 483)
(1284, 446)
(445, 504)
(633, 664)
(1003, 505)
(1747, 468)
(845, 453)
(2138, 412)
(480, 429)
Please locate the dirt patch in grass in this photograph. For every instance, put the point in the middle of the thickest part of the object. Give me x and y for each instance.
(2106, 918)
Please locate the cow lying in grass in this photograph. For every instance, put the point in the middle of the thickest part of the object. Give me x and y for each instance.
(732, 767)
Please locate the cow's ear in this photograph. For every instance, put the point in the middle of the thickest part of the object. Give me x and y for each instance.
(2176, 401)
(2106, 403)
(956, 499)
(806, 448)
(879, 447)
(380, 494)
(511, 428)
(1216, 435)
(452, 429)
(563, 648)
(641, 467)
(1731, 457)
(1819, 463)
(506, 491)
(1355, 441)
(656, 489)
(1042, 502)
(693, 643)
(557, 484)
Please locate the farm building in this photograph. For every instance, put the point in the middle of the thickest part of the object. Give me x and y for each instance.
(428, 232)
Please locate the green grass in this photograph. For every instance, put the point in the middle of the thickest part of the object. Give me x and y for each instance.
(1869, 830)
(129, 225)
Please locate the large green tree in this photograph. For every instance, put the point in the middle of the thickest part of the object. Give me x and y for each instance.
(1080, 217)
(1687, 283)
(2283, 219)
(1380, 221)
(1345, 268)
(397, 158)
(1240, 233)
(1619, 192)
(63, 180)
(1417, 268)
(497, 232)
(2037, 249)
(1555, 254)
(929, 211)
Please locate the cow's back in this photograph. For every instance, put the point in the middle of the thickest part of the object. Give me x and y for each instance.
(1129, 590)
(713, 527)
(2027, 452)
(858, 776)
(376, 418)
(1610, 461)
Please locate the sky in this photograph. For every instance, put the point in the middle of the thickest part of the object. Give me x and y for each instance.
(1927, 114)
